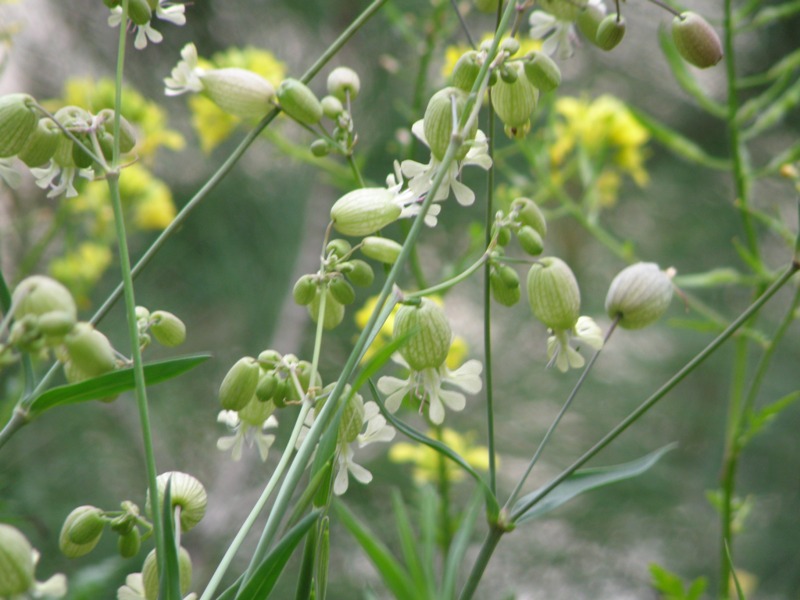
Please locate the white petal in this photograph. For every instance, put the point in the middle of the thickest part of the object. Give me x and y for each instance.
(341, 482)
(436, 410)
(359, 473)
(454, 400)
(418, 129)
(464, 195)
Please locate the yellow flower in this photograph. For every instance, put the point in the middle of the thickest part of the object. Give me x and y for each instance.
(81, 268)
(212, 124)
(426, 461)
(148, 117)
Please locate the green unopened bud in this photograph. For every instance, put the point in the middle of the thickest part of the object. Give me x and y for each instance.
(320, 148)
(352, 419)
(639, 295)
(139, 11)
(381, 249)
(342, 291)
(129, 543)
(429, 334)
(466, 70)
(589, 20)
(505, 288)
(530, 240)
(16, 562)
(80, 156)
(515, 102)
(542, 71)
(364, 211)
(696, 40)
(343, 81)
(269, 359)
(186, 492)
(38, 295)
(168, 329)
(299, 102)
(150, 573)
(504, 236)
(438, 121)
(508, 73)
(267, 386)
(239, 384)
(509, 45)
(89, 350)
(358, 272)
(238, 92)
(42, 144)
(529, 213)
(17, 122)
(55, 325)
(304, 290)
(81, 531)
(338, 248)
(331, 107)
(333, 313)
(127, 133)
(610, 32)
(553, 294)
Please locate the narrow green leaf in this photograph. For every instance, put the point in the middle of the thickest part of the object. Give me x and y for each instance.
(113, 383)
(686, 80)
(771, 14)
(269, 570)
(323, 557)
(774, 113)
(790, 155)
(492, 506)
(754, 106)
(583, 481)
(305, 575)
(713, 278)
(458, 548)
(168, 566)
(5, 296)
(322, 476)
(408, 544)
(678, 144)
(396, 579)
(762, 418)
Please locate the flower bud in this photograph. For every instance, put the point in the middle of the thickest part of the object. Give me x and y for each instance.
(238, 92)
(610, 32)
(504, 236)
(38, 295)
(515, 102)
(42, 143)
(127, 133)
(466, 70)
(438, 121)
(542, 71)
(16, 562)
(352, 419)
(364, 211)
(509, 45)
(168, 329)
(150, 573)
(331, 107)
(381, 249)
(338, 248)
(81, 531)
(696, 40)
(342, 291)
(304, 290)
(639, 295)
(334, 310)
(89, 350)
(508, 73)
(343, 81)
(502, 284)
(553, 294)
(529, 213)
(267, 386)
(129, 543)
(186, 492)
(269, 359)
(55, 325)
(239, 384)
(429, 334)
(589, 19)
(320, 148)
(358, 272)
(139, 12)
(299, 102)
(530, 240)
(17, 122)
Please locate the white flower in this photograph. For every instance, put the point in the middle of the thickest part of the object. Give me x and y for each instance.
(133, 588)
(345, 467)
(558, 35)
(8, 173)
(408, 201)
(245, 432)
(427, 386)
(185, 77)
(586, 331)
(46, 178)
(421, 175)
(166, 11)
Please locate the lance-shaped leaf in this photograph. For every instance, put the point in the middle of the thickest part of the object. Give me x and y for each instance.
(535, 504)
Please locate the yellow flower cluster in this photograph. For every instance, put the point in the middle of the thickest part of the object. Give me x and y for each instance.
(605, 132)
(426, 461)
(80, 269)
(212, 124)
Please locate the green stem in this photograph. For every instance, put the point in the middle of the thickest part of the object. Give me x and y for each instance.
(481, 562)
(443, 483)
(447, 284)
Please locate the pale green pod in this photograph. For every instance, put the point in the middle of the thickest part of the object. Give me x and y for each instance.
(239, 384)
(299, 102)
(16, 562)
(364, 211)
(150, 573)
(238, 92)
(89, 350)
(429, 334)
(18, 122)
(696, 40)
(515, 102)
(639, 295)
(186, 492)
(553, 293)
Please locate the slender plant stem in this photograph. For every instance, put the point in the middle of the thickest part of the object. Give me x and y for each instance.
(482, 561)
(447, 284)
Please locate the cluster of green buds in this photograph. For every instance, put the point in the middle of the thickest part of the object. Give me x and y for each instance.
(334, 282)
(167, 329)
(526, 221)
(343, 86)
(17, 568)
(254, 387)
